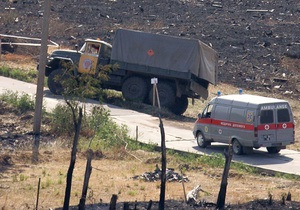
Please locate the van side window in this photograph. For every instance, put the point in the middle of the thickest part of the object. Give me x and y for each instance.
(237, 115)
(221, 112)
(266, 116)
(283, 115)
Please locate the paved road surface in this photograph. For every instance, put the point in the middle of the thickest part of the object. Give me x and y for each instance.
(146, 128)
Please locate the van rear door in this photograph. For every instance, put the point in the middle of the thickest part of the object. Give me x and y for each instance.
(276, 126)
(285, 125)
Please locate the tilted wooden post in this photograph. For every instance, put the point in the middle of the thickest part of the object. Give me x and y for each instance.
(113, 202)
(223, 187)
(88, 171)
(163, 167)
(77, 126)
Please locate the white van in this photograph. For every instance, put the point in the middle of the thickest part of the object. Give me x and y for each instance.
(246, 122)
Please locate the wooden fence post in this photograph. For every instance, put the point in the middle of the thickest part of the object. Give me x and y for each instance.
(223, 187)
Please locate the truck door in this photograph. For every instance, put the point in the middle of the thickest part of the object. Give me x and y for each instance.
(104, 55)
(89, 58)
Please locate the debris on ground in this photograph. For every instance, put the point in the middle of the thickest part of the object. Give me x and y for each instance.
(171, 176)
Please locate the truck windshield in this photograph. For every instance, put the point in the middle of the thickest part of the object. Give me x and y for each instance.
(92, 48)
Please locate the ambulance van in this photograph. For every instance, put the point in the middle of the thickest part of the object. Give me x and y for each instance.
(246, 122)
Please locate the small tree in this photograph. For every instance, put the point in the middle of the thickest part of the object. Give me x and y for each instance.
(76, 88)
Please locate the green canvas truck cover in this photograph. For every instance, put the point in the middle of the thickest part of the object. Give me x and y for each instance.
(182, 55)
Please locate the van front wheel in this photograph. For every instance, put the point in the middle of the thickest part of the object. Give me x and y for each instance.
(237, 147)
(273, 150)
(201, 140)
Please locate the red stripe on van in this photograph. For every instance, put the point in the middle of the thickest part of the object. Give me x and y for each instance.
(266, 127)
(275, 126)
(204, 120)
(226, 123)
(233, 124)
(285, 125)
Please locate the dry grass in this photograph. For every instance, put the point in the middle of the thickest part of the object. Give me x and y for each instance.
(18, 61)
(19, 182)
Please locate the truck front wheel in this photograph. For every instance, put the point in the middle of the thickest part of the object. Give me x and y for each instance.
(166, 95)
(134, 89)
(54, 82)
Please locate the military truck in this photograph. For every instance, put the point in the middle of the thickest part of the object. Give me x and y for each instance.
(184, 67)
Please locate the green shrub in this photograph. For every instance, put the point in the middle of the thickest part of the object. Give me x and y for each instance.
(10, 98)
(23, 103)
(107, 134)
(97, 125)
(61, 120)
(26, 76)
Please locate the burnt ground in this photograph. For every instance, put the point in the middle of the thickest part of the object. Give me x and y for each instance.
(257, 41)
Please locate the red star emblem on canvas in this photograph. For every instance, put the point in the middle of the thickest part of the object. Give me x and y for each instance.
(150, 52)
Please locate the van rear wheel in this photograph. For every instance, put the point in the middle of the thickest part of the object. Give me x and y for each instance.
(273, 150)
(201, 140)
(237, 147)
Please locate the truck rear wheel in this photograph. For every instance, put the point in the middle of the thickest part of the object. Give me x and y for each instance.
(166, 95)
(134, 89)
(54, 82)
(237, 147)
(180, 105)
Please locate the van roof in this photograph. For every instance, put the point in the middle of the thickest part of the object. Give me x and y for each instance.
(246, 99)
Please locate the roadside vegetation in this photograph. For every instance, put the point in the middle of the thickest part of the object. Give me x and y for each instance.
(112, 145)
(100, 133)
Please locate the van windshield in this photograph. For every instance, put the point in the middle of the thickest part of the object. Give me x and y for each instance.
(266, 116)
(207, 111)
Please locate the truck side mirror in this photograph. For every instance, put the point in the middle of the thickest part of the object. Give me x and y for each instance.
(76, 47)
(200, 115)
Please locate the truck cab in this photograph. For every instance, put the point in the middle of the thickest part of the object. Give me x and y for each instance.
(93, 53)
